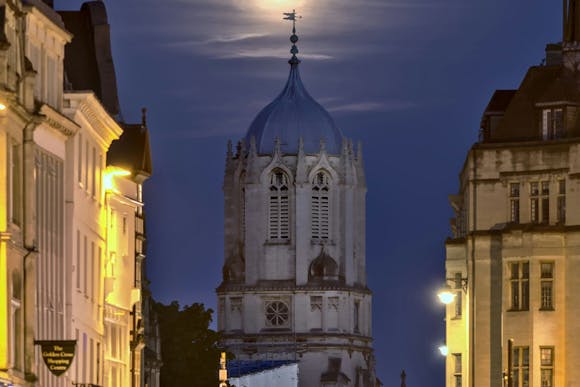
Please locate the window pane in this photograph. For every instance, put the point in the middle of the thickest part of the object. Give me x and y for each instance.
(546, 356)
(525, 270)
(547, 378)
(525, 298)
(547, 270)
(525, 356)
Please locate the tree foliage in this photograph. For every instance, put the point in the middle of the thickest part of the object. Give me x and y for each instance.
(188, 347)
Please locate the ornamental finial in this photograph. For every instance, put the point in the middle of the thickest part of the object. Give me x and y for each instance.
(294, 61)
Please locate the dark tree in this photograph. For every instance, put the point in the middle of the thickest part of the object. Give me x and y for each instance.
(188, 347)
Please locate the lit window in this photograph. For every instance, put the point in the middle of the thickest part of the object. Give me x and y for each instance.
(457, 369)
(520, 285)
(553, 124)
(279, 211)
(320, 206)
(547, 286)
(561, 202)
(515, 202)
(547, 366)
(521, 367)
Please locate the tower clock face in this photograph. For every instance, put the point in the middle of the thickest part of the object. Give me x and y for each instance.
(277, 313)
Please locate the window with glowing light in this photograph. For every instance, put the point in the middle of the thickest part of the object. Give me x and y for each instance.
(547, 366)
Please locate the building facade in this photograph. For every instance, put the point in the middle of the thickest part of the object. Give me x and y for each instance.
(513, 261)
(71, 226)
(294, 277)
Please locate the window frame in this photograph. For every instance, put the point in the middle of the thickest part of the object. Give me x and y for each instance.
(514, 199)
(279, 198)
(548, 280)
(519, 286)
(520, 366)
(320, 206)
(547, 368)
(550, 131)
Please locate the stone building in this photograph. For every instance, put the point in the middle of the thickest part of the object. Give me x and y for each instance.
(514, 258)
(294, 277)
(71, 224)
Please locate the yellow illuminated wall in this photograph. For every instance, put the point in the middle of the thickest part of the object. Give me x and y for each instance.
(3, 252)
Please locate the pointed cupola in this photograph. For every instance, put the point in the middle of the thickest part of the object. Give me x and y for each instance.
(294, 115)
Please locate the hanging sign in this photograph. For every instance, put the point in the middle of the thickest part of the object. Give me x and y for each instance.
(57, 354)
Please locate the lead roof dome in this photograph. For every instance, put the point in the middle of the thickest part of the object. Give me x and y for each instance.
(292, 116)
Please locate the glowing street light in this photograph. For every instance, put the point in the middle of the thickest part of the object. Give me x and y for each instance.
(109, 175)
(2, 106)
(444, 350)
(446, 296)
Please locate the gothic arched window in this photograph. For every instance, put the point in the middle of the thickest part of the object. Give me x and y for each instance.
(321, 206)
(242, 206)
(279, 208)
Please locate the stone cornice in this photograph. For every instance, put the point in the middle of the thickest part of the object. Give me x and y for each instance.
(57, 121)
(284, 287)
(105, 126)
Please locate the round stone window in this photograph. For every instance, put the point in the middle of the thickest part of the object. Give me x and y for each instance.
(277, 314)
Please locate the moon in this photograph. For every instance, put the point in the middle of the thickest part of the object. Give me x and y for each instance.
(280, 5)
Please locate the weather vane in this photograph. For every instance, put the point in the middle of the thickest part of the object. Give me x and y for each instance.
(294, 38)
(292, 16)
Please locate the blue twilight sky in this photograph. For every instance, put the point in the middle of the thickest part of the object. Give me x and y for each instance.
(409, 78)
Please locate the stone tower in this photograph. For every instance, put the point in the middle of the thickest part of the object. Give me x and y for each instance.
(294, 281)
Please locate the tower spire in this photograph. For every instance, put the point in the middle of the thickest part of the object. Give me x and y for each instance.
(294, 61)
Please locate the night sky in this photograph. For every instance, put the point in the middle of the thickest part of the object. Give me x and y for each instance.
(408, 78)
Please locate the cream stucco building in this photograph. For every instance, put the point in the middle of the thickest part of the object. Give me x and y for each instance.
(294, 278)
(71, 205)
(514, 258)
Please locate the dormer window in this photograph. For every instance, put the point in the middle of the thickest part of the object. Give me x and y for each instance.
(553, 123)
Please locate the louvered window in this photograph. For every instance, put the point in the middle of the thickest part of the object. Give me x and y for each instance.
(242, 207)
(279, 206)
(321, 206)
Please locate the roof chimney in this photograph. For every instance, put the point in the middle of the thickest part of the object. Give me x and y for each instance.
(50, 3)
(553, 54)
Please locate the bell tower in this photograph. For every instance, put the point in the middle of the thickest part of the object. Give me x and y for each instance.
(294, 275)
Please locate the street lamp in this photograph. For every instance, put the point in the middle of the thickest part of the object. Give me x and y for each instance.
(448, 294)
(444, 350)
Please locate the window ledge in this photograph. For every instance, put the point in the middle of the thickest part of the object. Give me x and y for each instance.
(547, 309)
(518, 310)
(321, 242)
(274, 242)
